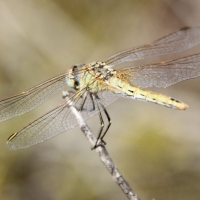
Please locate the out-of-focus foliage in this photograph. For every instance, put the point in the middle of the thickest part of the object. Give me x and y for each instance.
(155, 148)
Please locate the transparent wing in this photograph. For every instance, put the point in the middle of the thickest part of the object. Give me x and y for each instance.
(28, 100)
(164, 74)
(58, 120)
(175, 42)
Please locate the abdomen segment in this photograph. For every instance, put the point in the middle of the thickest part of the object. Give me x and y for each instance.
(149, 96)
(133, 92)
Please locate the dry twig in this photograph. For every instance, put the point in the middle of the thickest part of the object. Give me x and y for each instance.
(103, 154)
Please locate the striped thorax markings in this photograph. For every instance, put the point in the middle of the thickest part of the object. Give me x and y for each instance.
(95, 76)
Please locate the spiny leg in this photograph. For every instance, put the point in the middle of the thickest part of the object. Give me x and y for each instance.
(93, 98)
(81, 108)
(93, 104)
(85, 95)
(100, 135)
(109, 121)
(108, 118)
(82, 103)
(102, 126)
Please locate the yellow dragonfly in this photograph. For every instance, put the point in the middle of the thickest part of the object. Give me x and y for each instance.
(97, 85)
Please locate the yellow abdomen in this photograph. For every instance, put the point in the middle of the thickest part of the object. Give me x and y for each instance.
(137, 93)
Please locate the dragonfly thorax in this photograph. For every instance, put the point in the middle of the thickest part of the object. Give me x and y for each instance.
(101, 70)
(92, 76)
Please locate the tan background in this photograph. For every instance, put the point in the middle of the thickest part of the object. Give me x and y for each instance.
(156, 149)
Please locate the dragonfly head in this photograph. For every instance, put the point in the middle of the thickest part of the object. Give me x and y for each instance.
(72, 78)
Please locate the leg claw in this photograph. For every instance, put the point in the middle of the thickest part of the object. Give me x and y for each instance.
(101, 143)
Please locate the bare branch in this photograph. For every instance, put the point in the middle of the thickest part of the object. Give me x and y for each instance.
(101, 150)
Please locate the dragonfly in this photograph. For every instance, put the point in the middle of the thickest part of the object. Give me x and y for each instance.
(96, 85)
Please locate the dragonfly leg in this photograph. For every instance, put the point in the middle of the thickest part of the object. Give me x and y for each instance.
(109, 122)
(101, 129)
(67, 94)
(82, 104)
(93, 104)
(85, 98)
(100, 135)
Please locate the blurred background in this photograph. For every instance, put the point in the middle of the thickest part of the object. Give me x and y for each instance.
(155, 148)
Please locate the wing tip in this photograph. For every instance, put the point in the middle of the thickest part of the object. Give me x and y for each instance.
(10, 145)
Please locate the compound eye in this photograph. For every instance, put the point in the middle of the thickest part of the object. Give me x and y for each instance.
(76, 78)
(70, 79)
(72, 69)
